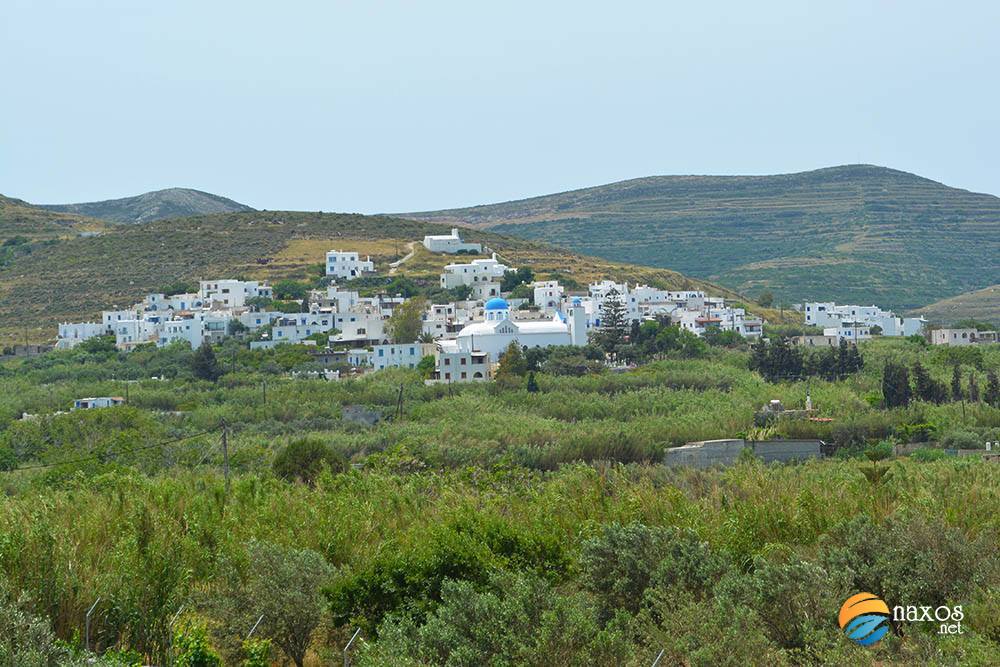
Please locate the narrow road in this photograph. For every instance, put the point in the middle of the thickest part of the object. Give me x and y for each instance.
(403, 260)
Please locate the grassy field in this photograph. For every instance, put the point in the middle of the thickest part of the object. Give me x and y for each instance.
(489, 521)
(76, 278)
(858, 234)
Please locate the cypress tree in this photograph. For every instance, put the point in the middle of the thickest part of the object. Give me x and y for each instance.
(992, 394)
(896, 391)
(204, 365)
(927, 388)
(973, 388)
(956, 384)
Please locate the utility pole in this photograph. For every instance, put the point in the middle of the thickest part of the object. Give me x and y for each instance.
(225, 455)
(399, 404)
(263, 390)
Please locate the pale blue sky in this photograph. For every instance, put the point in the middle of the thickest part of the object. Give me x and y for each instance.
(393, 106)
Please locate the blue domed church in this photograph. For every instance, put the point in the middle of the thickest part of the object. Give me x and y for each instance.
(497, 330)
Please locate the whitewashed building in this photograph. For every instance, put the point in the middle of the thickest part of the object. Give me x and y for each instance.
(461, 366)
(189, 329)
(296, 327)
(450, 243)
(347, 264)
(97, 402)
(494, 334)
(829, 315)
(400, 355)
(482, 275)
(71, 334)
(548, 295)
(232, 293)
(852, 332)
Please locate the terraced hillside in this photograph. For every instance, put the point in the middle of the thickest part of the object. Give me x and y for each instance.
(856, 233)
(982, 305)
(75, 279)
(150, 206)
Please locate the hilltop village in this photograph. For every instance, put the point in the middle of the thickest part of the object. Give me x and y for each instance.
(494, 305)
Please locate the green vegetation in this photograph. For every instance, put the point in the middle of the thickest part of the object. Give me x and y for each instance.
(855, 234)
(526, 521)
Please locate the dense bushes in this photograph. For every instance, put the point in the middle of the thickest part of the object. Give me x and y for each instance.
(472, 503)
(304, 459)
(584, 565)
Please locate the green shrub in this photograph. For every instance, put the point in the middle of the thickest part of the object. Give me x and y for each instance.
(304, 459)
(962, 440)
(926, 454)
(191, 647)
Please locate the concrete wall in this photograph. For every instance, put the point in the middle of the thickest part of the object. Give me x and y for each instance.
(708, 453)
(787, 450)
(705, 454)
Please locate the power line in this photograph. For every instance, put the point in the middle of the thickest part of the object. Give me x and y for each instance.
(92, 457)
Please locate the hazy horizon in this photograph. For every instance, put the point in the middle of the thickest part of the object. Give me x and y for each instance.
(402, 107)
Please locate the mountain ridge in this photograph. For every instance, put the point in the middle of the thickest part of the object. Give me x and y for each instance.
(152, 206)
(848, 233)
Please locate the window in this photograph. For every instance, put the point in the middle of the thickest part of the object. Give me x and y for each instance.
(447, 361)
(463, 361)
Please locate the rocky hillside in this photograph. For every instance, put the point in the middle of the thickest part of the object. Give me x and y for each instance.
(159, 205)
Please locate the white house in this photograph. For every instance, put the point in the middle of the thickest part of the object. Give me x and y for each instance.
(829, 314)
(232, 293)
(482, 275)
(97, 402)
(498, 330)
(548, 295)
(159, 302)
(347, 264)
(399, 355)
(296, 327)
(359, 328)
(853, 332)
(189, 329)
(256, 319)
(461, 366)
(112, 317)
(72, 334)
(450, 243)
(130, 333)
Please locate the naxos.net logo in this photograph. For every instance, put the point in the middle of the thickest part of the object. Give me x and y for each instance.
(864, 618)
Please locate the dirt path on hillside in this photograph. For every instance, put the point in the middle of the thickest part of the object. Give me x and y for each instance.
(393, 266)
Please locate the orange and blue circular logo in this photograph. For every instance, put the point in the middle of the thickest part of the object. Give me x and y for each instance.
(864, 618)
